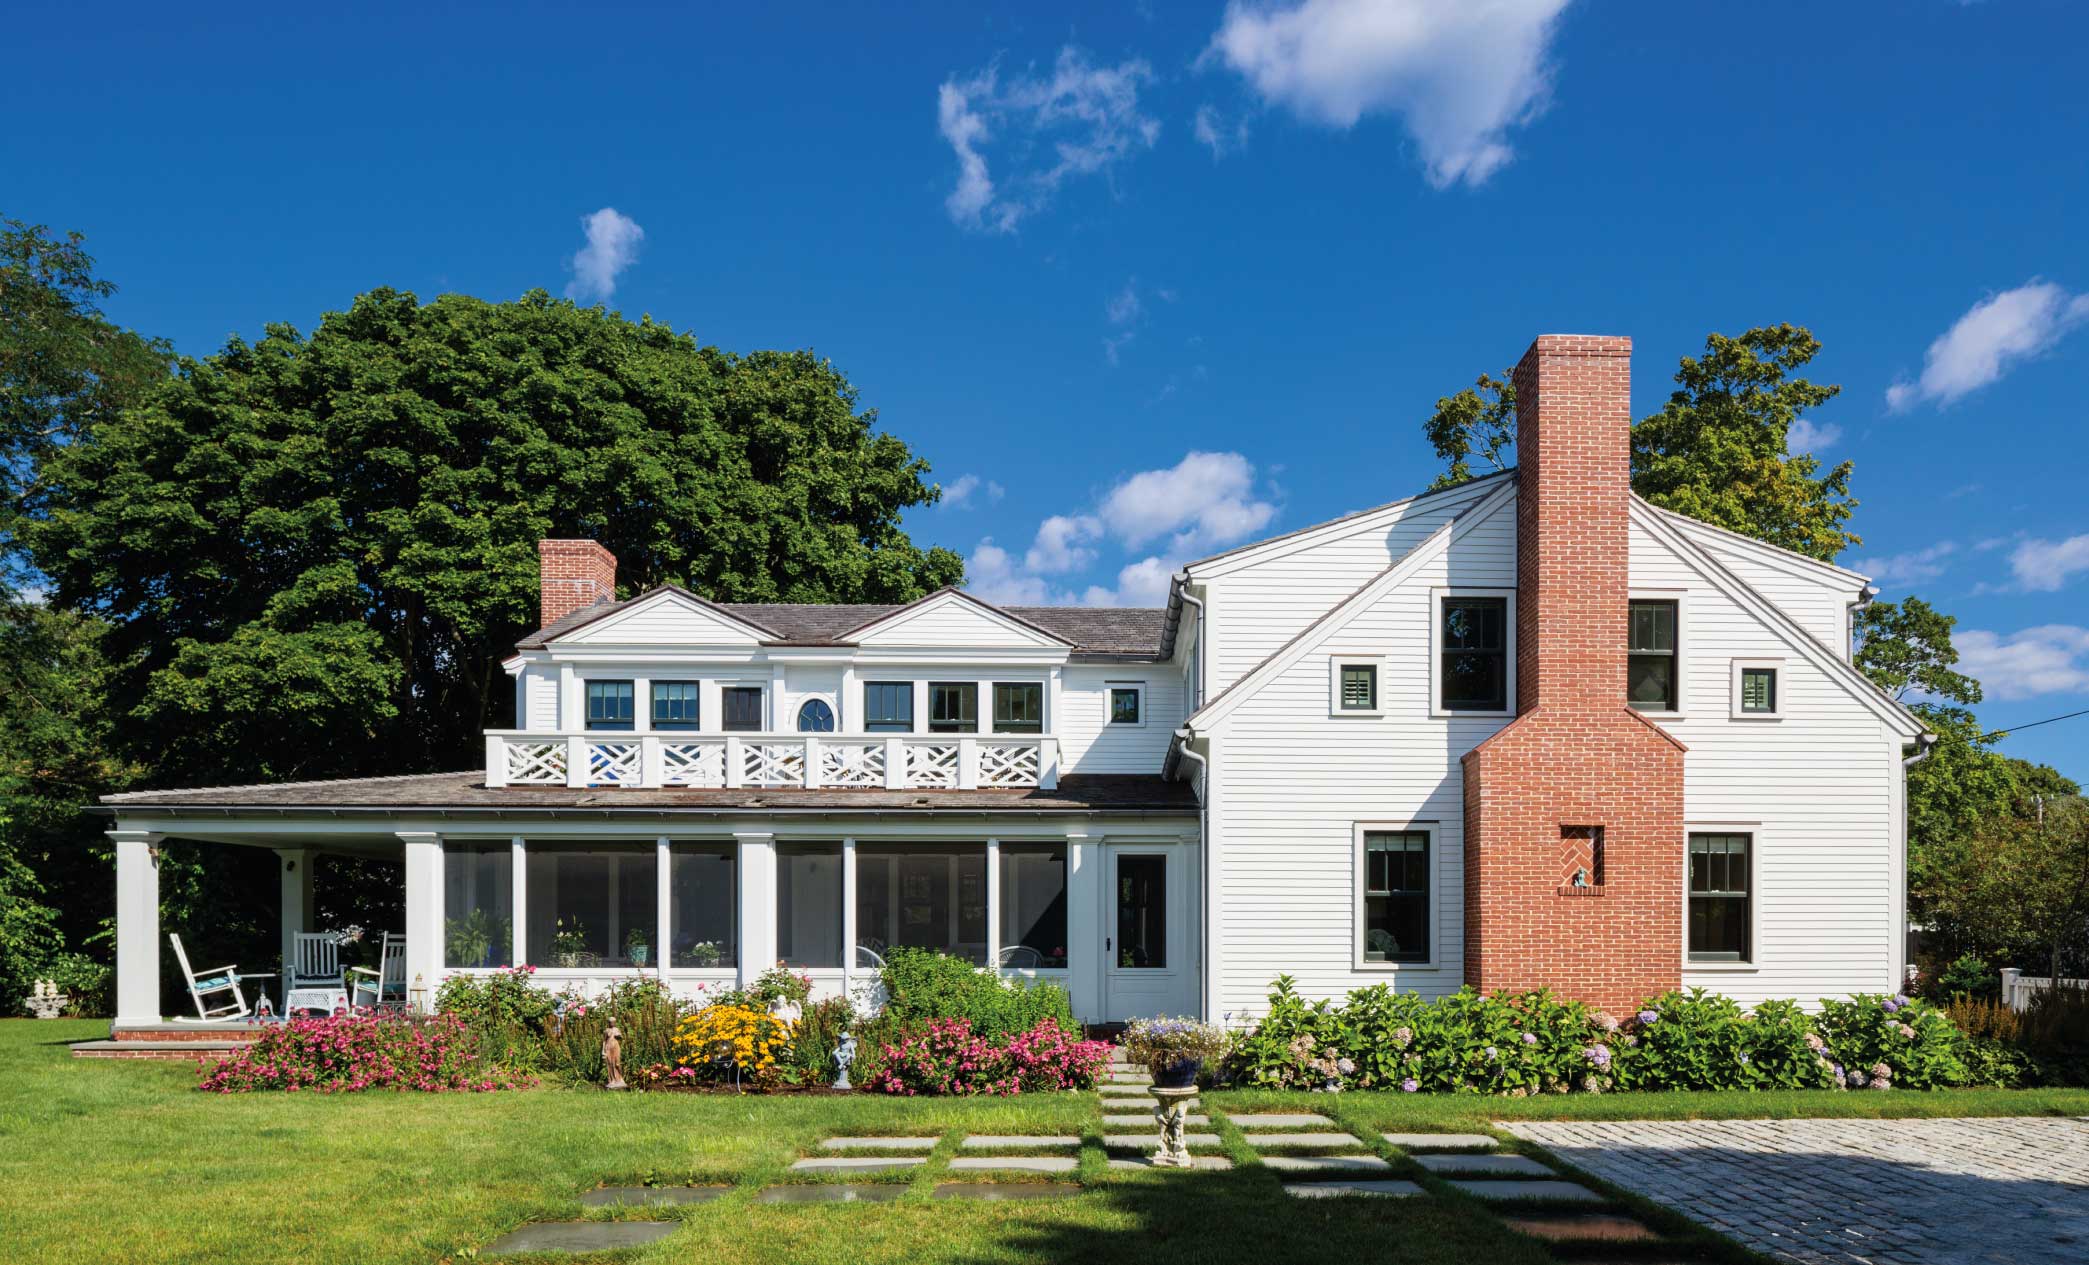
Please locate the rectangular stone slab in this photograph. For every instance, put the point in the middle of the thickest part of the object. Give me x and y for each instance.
(1016, 1163)
(1137, 1121)
(856, 1163)
(1209, 1163)
(1325, 1163)
(1485, 1165)
(1277, 1120)
(880, 1144)
(1115, 1089)
(581, 1236)
(1330, 1141)
(994, 1191)
(1441, 1141)
(1152, 1141)
(1005, 1141)
(1583, 1227)
(1570, 1192)
(1325, 1190)
(650, 1196)
(831, 1194)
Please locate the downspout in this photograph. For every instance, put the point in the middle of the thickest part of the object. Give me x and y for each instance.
(1924, 744)
(1183, 738)
(1182, 590)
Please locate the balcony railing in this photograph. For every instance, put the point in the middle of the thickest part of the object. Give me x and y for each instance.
(793, 761)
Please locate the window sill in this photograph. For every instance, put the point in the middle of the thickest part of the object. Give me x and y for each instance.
(1392, 968)
(1460, 713)
(1755, 716)
(1354, 713)
(1594, 889)
(1693, 964)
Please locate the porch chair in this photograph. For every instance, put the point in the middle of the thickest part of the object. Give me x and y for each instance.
(385, 986)
(315, 963)
(219, 981)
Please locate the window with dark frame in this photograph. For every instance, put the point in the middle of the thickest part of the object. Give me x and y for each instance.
(888, 707)
(815, 716)
(1124, 705)
(740, 708)
(1359, 687)
(1720, 884)
(953, 708)
(1018, 708)
(1396, 896)
(1475, 667)
(610, 704)
(1650, 672)
(676, 704)
(1758, 691)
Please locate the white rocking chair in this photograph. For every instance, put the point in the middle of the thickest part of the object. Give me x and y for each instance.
(385, 986)
(219, 981)
(316, 962)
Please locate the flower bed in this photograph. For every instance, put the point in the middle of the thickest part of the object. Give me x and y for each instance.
(946, 1056)
(351, 1053)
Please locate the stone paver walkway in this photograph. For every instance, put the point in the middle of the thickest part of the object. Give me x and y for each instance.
(1837, 1192)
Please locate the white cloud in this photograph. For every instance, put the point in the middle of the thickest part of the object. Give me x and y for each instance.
(1123, 310)
(1806, 436)
(1080, 120)
(958, 496)
(1216, 134)
(1063, 544)
(1207, 499)
(2042, 566)
(613, 240)
(1459, 75)
(991, 575)
(2050, 659)
(1912, 567)
(1988, 341)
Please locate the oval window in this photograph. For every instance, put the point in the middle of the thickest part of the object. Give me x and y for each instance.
(815, 717)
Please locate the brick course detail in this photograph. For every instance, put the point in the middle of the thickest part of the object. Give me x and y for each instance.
(1576, 756)
(573, 574)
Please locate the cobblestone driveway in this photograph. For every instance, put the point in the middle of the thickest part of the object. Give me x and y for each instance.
(2007, 1192)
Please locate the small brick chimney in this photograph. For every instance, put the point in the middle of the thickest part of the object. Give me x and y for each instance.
(573, 574)
(1574, 811)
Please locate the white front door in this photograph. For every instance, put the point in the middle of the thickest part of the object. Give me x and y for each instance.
(1148, 942)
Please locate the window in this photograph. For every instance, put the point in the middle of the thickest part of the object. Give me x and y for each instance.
(1033, 905)
(675, 704)
(919, 896)
(1353, 687)
(478, 902)
(815, 716)
(1719, 887)
(1474, 672)
(888, 707)
(1018, 709)
(1756, 690)
(1396, 896)
(609, 704)
(1650, 675)
(703, 904)
(953, 709)
(593, 905)
(742, 706)
(808, 904)
(1142, 912)
(1127, 704)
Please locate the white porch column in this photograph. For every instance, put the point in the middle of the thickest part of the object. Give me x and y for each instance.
(757, 903)
(993, 904)
(1086, 920)
(138, 927)
(518, 892)
(848, 916)
(423, 910)
(664, 885)
(294, 867)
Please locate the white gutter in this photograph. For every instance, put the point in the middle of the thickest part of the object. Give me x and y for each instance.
(1182, 590)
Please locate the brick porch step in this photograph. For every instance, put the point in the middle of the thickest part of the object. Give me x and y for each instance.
(156, 1049)
(207, 1033)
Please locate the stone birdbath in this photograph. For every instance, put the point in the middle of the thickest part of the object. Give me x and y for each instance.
(1172, 1105)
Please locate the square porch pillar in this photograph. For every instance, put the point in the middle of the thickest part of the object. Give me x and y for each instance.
(757, 902)
(137, 927)
(423, 912)
(294, 868)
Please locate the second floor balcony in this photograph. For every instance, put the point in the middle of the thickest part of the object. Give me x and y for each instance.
(796, 761)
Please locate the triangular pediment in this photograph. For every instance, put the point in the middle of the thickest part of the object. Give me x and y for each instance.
(666, 616)
(950, 618)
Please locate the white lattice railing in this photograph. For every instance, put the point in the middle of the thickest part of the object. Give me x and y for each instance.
(783, 761)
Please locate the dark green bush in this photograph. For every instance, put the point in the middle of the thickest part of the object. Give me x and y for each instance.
(924, 985)
(1902, 1042)
(1701, 1040)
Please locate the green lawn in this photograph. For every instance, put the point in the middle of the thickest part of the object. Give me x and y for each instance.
(123, 1161)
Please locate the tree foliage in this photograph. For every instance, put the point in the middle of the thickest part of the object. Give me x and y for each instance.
(314, 550)
(1482, 419)
(2023, 889)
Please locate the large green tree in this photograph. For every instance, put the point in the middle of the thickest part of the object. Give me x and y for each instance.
(313, 551)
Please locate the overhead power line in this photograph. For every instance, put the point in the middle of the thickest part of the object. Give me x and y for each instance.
(2010, 729)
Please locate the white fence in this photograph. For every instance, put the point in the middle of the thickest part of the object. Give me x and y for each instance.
(2018, 988)
(804, 761)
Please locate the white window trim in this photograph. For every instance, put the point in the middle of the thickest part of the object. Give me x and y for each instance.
(1681, 597)
(1777, 690)
(1437, 597)
(712, 707)
(1358, 883)
(645, 703)
(1335, 664)
(1111, 687)
(798, 702)
(1754, 831)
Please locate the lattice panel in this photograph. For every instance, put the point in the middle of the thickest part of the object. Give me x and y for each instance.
(852, 763)
(613, 764)
(536, 762)
(932, 764)
(772, 764)
(1007, 765)
(692, 764)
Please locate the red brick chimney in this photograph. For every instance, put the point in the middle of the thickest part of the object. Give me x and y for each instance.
(1574, 812)
(573, 574)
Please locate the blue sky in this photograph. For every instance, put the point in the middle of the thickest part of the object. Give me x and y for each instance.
(1142, 280)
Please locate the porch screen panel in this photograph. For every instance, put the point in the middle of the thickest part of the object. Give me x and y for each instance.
(478, 905)
(703, 904)
(592, 905)
(808, 904)
(918, 897)
(1142, 912)
(1033, 905)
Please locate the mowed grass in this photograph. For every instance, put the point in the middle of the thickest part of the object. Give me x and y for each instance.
(125, 1161)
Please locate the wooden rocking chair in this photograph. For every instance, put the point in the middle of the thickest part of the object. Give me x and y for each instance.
(219, 982)
(385, 986)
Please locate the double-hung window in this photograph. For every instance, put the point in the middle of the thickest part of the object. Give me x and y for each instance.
(610, 704)
(953, 708)
(675, 704)
(1018, 708)
(741, 708)
(1395, 922)
(1650, 674)
(888, 707)
(1721, 887)
(1474, 673)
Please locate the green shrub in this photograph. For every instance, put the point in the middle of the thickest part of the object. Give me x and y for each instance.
(1701, 1040)
(924, 985)
(645, 1012)
(506, 1011)
(2056, 1035)
(818, 1035)
(1882, 1042)
(1968, 975)
(90, 984)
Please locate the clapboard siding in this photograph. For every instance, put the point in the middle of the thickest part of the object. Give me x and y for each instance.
(667, 620)
(953, 621)
(540, 699)
(1089, 744)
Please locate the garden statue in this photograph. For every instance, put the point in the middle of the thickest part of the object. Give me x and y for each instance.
(45, 1001)
(1169, 1110)
(613, 1056)
(845, 1054)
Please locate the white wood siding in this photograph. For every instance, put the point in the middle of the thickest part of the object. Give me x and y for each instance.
(1817, 602)
(540, 693)
(665, 621)
(1089, 744)
(954, 622)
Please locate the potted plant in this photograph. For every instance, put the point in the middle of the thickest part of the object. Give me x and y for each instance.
(1174, 1050)
(636, 947)
(569, 944)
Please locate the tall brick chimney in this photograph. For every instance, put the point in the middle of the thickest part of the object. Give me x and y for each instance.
(573, 574)
(1574, 811)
